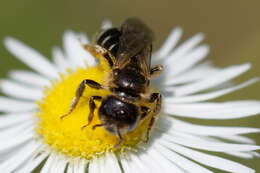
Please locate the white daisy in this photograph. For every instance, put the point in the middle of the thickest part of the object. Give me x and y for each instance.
(32, 132)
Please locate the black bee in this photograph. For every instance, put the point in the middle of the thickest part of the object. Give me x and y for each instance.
(127, 50)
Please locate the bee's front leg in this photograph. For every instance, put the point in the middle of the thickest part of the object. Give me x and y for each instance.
(79, 93)
(100, 52)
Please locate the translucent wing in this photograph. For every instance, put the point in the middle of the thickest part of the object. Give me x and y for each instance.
(135, 41)
(144, 60)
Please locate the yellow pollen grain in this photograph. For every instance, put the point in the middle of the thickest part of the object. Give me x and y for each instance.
(66, 136)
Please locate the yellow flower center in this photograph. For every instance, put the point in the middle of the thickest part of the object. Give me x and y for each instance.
(66, 135)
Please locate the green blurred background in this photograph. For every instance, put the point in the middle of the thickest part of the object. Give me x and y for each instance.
(232, 30)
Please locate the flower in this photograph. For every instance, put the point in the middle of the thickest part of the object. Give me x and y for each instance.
(32, 133)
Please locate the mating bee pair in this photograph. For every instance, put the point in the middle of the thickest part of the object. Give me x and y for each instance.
(128, 52)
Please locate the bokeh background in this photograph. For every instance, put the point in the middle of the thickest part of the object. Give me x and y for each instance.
(232, 30)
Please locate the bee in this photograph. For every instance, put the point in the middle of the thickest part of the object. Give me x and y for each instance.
(127, 50)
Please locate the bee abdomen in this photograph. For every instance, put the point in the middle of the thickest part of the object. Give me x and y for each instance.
(109, 39)
(113, 108)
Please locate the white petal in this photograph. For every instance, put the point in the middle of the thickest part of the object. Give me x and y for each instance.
(16, 129)
(172, 124)
(31, 165)
(16, 90)
(192, 75)
(189, 60)
(244, 155)
(60, 60)
(168, 165)
(75, 51)
(136, 162)
(256, 154)
(61, 165)
(54, 164)
(184, 48)
(150, 163)
(225, 110)
(231, 138)
(208, 96)
(13, 142)
(12, 105)
(203, 144)
(211, 81)
(136, 166)
(102, 166)
(130, 165)
(111, 164)
(31, 57)
(29, 78)
(76, 166)
(195, 74)
(20, 157)
(169, 44)
(83, 38)
(48, 164)
(182, 162)
(70, 168)
(209, 160)
(82, 166)
(7, 120)
(106, 24)
(94, 167)
(125, 165)
(237, 138)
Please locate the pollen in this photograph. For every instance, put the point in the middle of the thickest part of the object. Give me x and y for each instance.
(66, 135)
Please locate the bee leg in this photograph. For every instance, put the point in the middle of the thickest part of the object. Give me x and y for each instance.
(156, 70)
(92, 107)
(120, 138)
(92, 84)
(145, 111)
(157, 98)
(98, 52)
(79, 93)
(97, 125)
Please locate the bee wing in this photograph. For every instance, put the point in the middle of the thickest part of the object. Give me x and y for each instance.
(144, 60)
(136, 40)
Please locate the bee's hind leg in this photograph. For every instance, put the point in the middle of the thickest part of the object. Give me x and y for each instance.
(79, 93)
(157, 98)
(92, 107)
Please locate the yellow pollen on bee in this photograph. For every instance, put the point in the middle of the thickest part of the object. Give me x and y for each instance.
(66, 135)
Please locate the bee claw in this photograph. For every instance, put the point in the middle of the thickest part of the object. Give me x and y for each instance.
(146, 140)
(97, 125)
(118, 144)
(63, 116)
(93, 127)
(83, 127)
